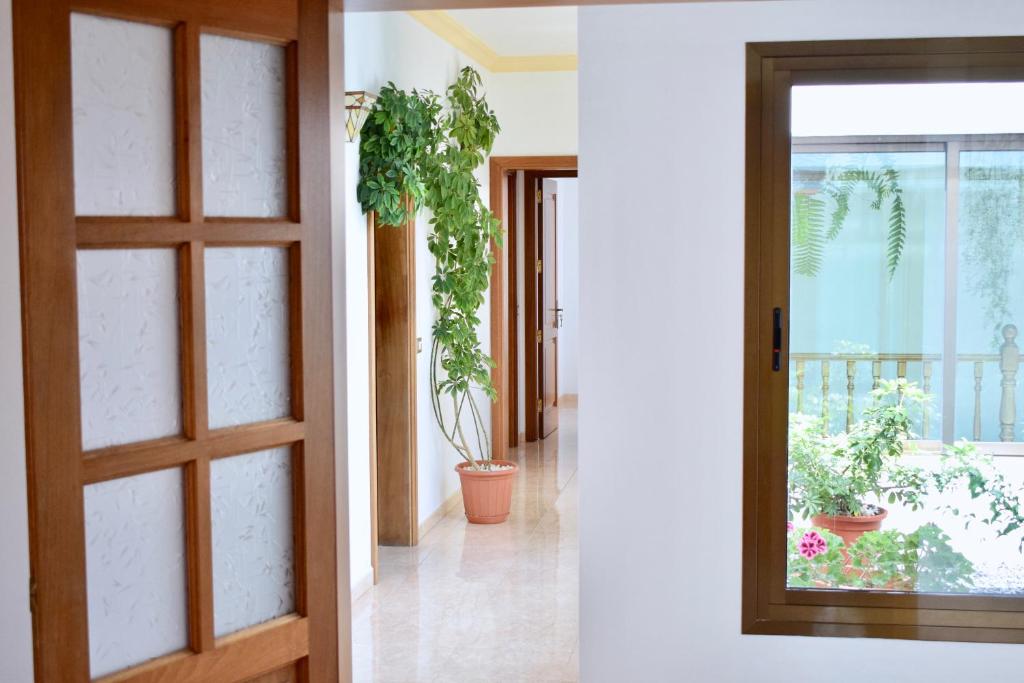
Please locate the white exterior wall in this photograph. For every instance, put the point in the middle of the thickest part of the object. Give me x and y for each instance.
(661, 483)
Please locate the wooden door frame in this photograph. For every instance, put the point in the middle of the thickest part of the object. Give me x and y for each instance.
(314, 641)
(511, 206)
(501, 376)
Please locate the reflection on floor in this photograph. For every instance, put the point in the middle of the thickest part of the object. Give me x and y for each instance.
(484, 603)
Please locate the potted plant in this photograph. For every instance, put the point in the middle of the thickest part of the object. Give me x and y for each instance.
(838, 481)
(419, 152)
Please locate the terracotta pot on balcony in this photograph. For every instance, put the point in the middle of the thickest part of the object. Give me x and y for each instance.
(487, 494)
(850, 528)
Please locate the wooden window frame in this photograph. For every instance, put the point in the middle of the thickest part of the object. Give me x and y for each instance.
(769, 607)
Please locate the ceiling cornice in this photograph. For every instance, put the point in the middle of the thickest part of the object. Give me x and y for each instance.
(471, 45)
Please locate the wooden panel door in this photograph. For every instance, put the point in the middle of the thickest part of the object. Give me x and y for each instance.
(394, 351)
(549, 313)
(175, 252)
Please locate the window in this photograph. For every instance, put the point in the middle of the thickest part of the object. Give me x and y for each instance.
(884, 421)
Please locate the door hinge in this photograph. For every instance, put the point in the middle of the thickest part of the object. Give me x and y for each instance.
(540, 196)
(32, 595)
(540, 405)
(540, 336)
(540, 266)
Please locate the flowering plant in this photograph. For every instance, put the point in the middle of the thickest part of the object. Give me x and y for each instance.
(922, 560)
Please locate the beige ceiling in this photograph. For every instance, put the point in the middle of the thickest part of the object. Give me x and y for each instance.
(521, 32)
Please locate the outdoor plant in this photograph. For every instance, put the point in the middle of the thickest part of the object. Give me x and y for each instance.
(850, 474)
(419, 151)
(810, 234)
(922, 560)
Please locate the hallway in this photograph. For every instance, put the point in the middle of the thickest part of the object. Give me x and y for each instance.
(484, 603)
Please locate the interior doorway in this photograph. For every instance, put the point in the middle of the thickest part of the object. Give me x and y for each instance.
(527, 313)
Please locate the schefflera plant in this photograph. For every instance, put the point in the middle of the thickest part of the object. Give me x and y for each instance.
(418, 151)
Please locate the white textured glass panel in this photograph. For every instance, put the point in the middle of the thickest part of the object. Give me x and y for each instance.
(244, 153)
(128, 345)
(122, 95)
(247, 335)
(135, 570)
(253, 569)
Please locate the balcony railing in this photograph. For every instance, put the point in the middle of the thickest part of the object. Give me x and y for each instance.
(1008, 361)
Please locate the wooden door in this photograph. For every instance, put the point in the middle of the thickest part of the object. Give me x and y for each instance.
(394, 278)
(175, 241)
(549, 313)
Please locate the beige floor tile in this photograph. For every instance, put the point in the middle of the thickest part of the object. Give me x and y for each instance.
(494, 604)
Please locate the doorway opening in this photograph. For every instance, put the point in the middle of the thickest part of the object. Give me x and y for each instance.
(535, 289)
(407, 514)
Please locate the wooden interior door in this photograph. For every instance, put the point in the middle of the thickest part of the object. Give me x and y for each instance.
(173, 160)
(394, 286)
(549, 313)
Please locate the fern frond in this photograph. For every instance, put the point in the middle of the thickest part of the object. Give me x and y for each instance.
(897, 232)
(841, 195)
(808, 239)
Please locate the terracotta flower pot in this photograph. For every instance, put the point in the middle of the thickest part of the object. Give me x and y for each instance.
(850, 528)
(487, 495)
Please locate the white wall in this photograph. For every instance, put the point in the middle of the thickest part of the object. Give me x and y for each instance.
(568, 252)
(537, 113)
(661, 485)
(16, 625)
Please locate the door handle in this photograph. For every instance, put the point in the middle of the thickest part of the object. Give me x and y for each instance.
(559, 316)
(776, 339)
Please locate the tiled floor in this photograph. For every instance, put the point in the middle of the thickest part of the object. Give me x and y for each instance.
(480, 603)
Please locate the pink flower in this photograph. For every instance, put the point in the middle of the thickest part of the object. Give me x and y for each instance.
(790, 526)
(812, 544)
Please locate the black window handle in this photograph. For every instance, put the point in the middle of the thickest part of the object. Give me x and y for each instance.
(777, 339)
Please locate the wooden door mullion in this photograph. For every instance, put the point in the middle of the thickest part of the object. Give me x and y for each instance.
(200, 555)
(193, 352)
(188, 86)
(199, 543)
(112, 233)
(199, 546)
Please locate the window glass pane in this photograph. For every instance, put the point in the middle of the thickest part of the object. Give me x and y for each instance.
(247, 335)
(907, 267)
(135, 570)
(244, 151)
(123, 97)
(128, 345)
(253, 567)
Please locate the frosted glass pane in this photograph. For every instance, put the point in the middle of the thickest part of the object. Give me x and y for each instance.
(122, 94)
(128, 345)
(247, 335)
(253, 569)
(244, 153)
(135, 570)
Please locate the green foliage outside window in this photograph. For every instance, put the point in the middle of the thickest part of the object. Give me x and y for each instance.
(810, 234)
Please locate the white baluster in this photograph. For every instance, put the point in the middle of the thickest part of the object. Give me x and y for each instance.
(1009, 361)
(979, 371)
(851, 371)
